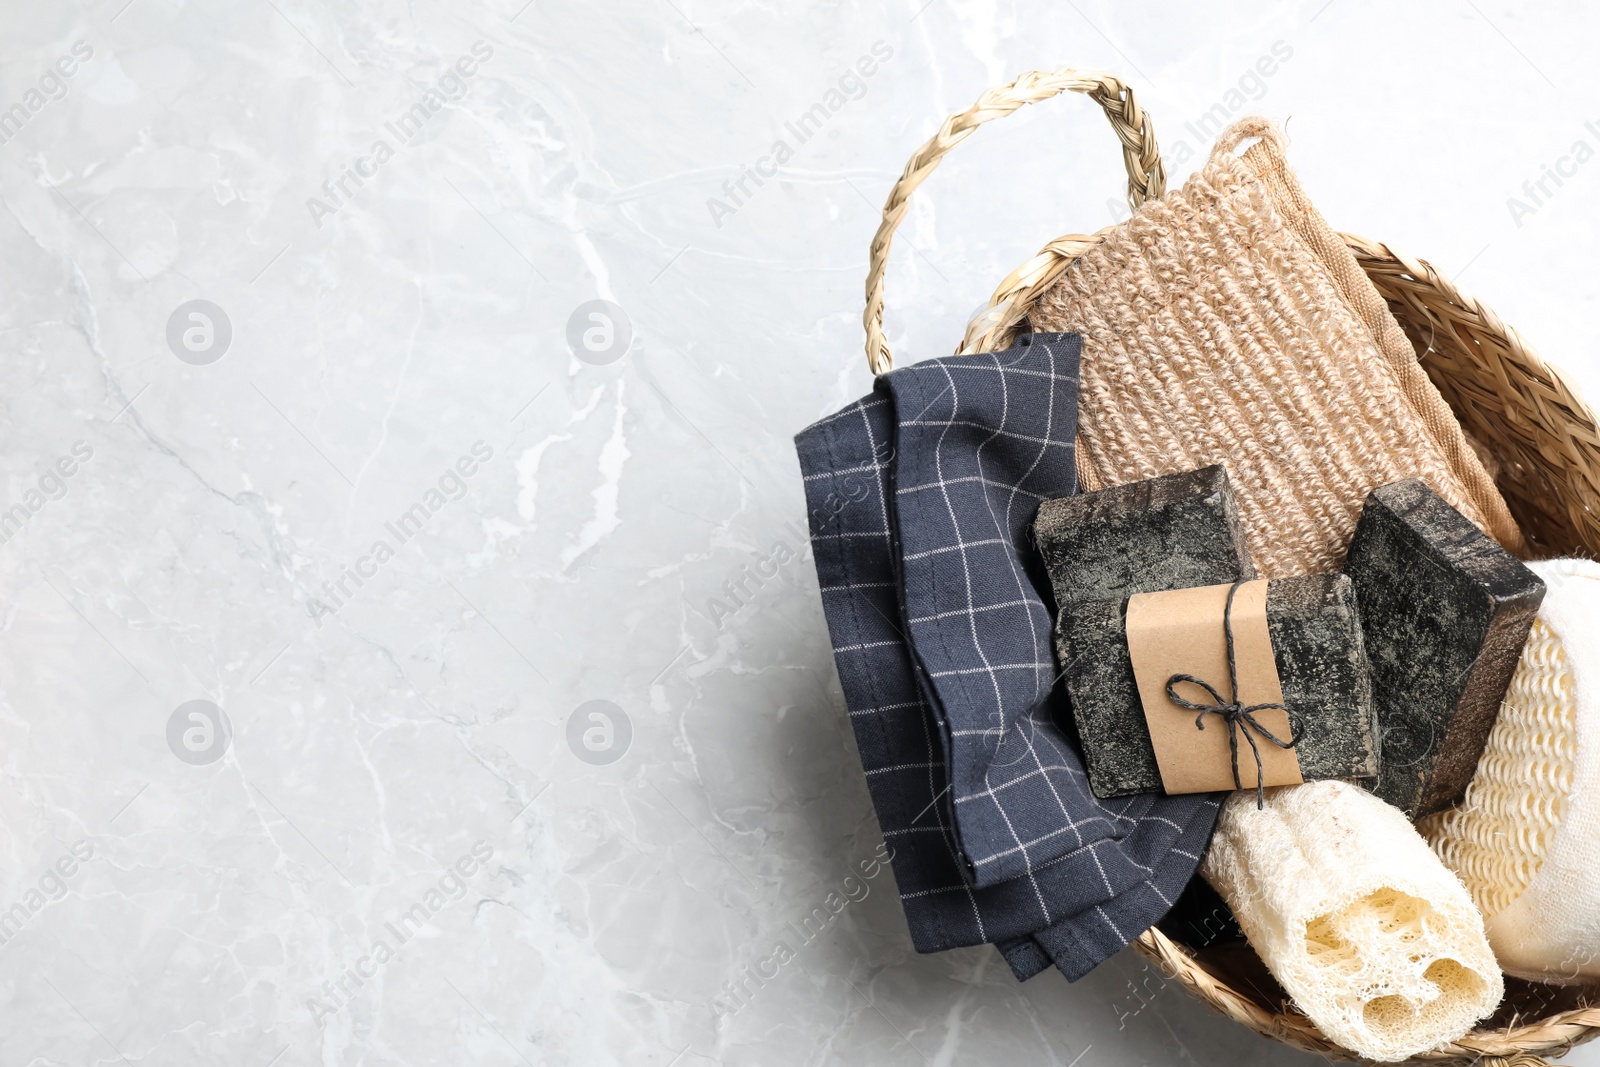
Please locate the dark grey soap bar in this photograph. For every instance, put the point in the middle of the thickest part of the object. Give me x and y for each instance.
(1174, 532)
(1445, 612)
(1322, 668)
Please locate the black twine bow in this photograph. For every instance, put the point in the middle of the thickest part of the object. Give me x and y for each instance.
(1233, 712)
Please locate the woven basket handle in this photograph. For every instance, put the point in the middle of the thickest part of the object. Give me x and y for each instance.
(1147, 178)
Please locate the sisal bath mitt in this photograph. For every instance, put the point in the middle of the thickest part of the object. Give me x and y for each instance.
(1360, 923)
(1227, 323)
(1525, 839)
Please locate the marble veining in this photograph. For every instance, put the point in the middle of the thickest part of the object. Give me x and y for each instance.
(409, 653)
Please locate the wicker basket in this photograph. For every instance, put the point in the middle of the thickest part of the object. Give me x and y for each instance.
(1541, 442)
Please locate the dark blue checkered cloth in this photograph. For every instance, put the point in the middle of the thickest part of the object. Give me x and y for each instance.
(921, 498)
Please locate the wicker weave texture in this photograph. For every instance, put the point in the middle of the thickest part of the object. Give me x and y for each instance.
(1544, 441)
(1522, 410)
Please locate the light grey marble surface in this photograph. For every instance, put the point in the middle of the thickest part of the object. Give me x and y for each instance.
(395, 370)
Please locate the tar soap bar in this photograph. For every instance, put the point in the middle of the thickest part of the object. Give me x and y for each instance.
(1445, 612)
(1172, 532)
(1323, 674)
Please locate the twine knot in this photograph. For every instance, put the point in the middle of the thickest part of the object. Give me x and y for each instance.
(1234, 712)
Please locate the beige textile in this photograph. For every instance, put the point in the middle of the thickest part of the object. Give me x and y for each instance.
(1226, 323)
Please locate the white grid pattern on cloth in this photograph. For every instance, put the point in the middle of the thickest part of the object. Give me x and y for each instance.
(1069, 905)
(968, 639)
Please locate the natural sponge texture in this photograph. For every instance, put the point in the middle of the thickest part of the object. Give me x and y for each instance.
(1525, 839)
(1357, 919)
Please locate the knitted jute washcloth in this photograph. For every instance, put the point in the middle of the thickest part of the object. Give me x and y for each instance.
(1526, 837)
(1360, 923)
(1227, 323)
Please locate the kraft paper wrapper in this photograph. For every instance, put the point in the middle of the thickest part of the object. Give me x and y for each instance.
(1181, 632)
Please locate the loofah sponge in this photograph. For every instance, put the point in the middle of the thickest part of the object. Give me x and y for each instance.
(1525, 839)
(1374, 939)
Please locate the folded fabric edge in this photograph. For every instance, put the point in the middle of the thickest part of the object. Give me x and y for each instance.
(943, 685)
(1025, 956)
(1100, 929)
(1080, 943)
